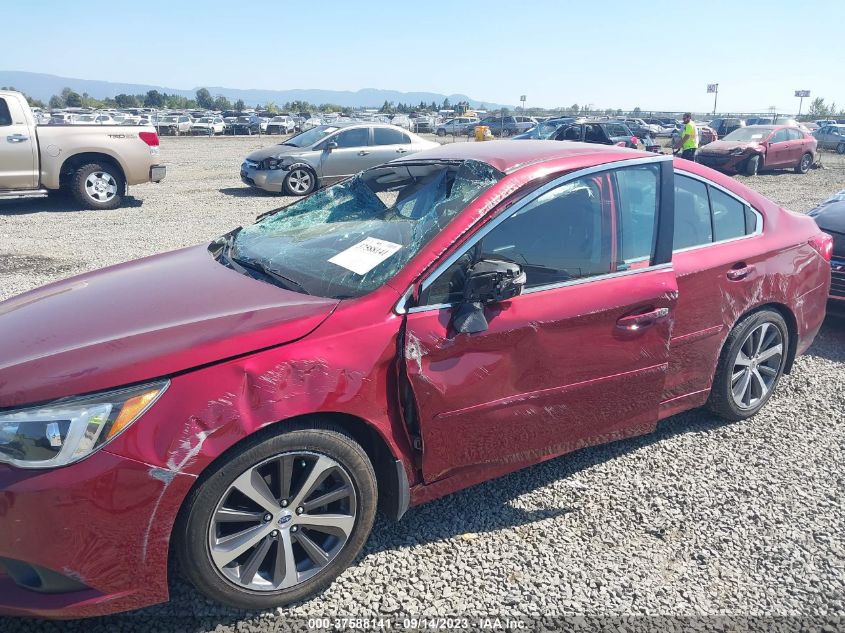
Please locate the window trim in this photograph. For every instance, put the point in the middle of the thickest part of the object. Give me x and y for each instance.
(709, 183)
(473, 239)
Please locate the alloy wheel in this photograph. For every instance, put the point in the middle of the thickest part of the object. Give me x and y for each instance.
(757, 365)
(299, 181)
(282, 521)
(101, 186)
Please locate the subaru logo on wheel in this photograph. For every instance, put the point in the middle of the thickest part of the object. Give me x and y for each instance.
(285, 519)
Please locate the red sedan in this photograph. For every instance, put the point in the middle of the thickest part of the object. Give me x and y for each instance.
(751, 149)
(414, 330)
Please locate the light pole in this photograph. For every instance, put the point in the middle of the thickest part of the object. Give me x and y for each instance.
(522, 98)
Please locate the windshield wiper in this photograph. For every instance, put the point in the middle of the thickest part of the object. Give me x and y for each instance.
(285, 282)
(251, 269)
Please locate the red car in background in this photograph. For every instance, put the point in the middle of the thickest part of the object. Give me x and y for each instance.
(421, 327)
(751, 149)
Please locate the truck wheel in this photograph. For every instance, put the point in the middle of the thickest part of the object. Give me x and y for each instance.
(441, 132)
(98, 186)
(278, 519)
(840, 149)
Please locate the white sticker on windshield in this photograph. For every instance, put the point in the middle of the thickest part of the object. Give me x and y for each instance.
(366, 255)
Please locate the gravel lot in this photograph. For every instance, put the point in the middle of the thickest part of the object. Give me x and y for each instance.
(701, 521)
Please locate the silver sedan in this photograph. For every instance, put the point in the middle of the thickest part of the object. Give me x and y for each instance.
(327, 154)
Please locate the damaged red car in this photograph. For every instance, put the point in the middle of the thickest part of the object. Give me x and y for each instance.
(751, 149)
(247, 406)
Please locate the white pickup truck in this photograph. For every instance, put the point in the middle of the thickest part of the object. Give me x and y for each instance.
(95, 163)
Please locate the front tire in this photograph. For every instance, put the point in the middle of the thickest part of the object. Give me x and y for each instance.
(840, 149)
(753, 165)
(750, 366)
(300, 181)
(318, 488)
(804, 164)
(98, 186)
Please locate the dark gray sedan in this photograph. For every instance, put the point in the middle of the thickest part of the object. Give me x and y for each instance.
(327, 154)
(831, 137)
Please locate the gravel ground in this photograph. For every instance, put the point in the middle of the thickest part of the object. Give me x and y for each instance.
(713, 525)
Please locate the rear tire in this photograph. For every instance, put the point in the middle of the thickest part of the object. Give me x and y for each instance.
(441, 132)
(263, 576)
(750, 365)
(840, 149)
(98, 186)
(753, 165)
(804, 164)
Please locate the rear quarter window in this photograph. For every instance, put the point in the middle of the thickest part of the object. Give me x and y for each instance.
(5, 115)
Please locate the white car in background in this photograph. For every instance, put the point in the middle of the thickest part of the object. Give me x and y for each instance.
(94, 119)
(208, 125)
(282, 124)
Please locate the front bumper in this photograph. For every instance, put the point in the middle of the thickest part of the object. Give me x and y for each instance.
(266, 179)
(723, 162)
(96, 532)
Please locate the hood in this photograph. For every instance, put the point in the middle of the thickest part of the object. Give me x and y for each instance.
(276, 150)
(141, 320)
(725, 147)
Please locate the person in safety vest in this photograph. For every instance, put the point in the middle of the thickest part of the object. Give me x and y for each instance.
(688, 142)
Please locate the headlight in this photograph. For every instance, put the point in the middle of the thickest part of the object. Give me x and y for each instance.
(275, 163)
(67, 431)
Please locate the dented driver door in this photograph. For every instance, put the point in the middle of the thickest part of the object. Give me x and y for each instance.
(579, 358)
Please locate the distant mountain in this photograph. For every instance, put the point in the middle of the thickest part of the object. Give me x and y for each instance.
(41, 86)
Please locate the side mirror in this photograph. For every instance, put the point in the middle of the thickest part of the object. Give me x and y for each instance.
(330, 146)
(488, 281)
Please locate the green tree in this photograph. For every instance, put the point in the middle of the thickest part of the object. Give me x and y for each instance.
(637, 111)
(446, 104)
(204, 99)
(56, 102)
(818, 108)
(222, 103)
(126, 101)
(239, 105)
(154, 99)
(574, 108)
(72, 99)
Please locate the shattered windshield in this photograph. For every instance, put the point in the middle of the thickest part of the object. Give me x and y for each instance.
(349, 239)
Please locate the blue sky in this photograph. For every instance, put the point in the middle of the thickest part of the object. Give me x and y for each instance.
(656, 54)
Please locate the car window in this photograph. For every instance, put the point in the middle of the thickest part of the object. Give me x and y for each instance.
(795, 135)
(728, 216)
(356, 137)
(692, 213)
(5, 115)
(593, 133)
(779, 137)
(636, 211)
(616, 130)
(561, 235)
(387, 136)
(572, 133)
